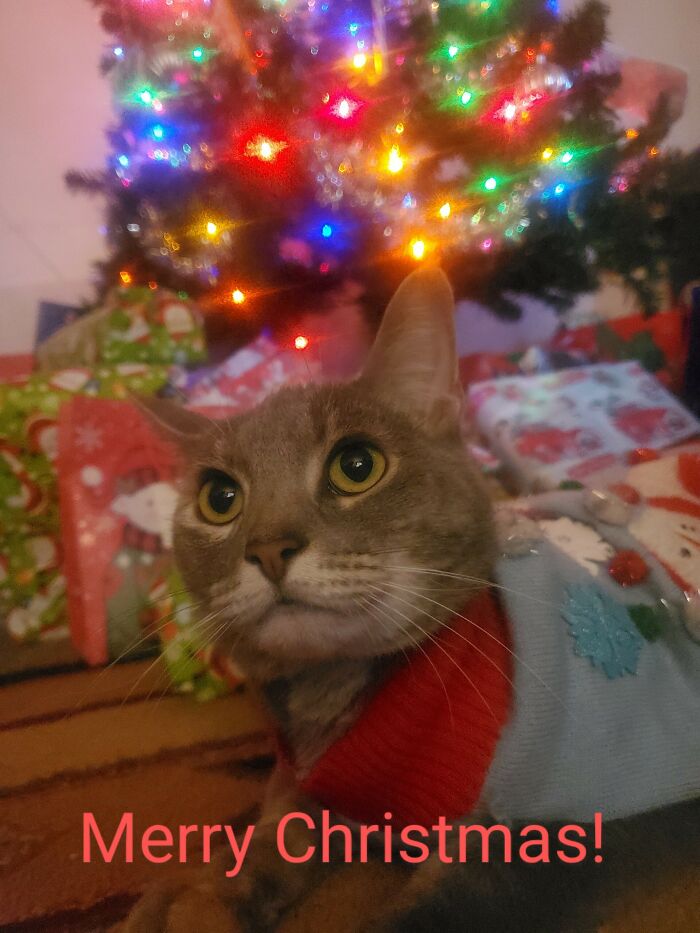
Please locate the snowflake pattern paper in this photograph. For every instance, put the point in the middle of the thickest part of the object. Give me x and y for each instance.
(603, 630)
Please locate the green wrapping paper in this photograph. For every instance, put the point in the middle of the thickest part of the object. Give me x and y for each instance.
(32, 587)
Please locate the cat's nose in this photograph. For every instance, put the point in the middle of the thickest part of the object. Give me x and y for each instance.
(272, 557)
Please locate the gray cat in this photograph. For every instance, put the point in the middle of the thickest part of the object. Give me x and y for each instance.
(305, 525)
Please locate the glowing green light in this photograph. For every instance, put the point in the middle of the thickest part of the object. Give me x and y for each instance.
(567, 157)
(453, 50)
(465, 97)
(198, 54)
(146, 96)
(491, 184)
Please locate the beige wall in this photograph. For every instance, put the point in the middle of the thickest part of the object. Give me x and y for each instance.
(54, 106)
(664, 31)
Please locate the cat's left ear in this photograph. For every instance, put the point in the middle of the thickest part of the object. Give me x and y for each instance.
(413, 362)
(173, 422)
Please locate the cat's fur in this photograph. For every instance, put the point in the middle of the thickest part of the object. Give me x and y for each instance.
(317, 660)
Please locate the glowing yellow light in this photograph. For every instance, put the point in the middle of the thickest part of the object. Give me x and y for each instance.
(125, 277)
(445, 210)
(547, 154)
(237, 296)
(212, 228)
(399, 128)
(394, 162)
(359, 60)
(653, 152)
(301, 342)
(417, 248)
(631, 133)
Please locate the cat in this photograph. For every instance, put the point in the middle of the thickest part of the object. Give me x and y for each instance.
(304, 526)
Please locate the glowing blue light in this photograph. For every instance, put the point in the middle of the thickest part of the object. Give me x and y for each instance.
(118, 51)
(353, 27)
(123, 160)
(158, 131)
(560, 189)
(326, 231)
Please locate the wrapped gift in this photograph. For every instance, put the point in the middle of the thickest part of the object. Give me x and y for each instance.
(152, 326)
(135, 325)
(32, 587)
(549, 429)
(658, 343)
(248, 376)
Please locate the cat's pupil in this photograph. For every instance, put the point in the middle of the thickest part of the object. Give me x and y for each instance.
(221, 498)
(356, 463)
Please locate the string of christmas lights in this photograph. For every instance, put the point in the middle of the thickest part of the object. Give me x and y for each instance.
(265, 148)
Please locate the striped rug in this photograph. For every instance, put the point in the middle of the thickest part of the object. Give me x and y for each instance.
(116, 741)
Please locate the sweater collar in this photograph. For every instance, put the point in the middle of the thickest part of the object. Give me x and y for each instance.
(422, 746)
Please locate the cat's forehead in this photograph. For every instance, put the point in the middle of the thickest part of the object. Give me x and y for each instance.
(296, 422)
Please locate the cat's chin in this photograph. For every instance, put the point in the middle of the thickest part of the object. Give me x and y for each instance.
(293, 629)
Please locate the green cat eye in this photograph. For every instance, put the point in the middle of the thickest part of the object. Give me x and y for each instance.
(356, 468)
(220, 499)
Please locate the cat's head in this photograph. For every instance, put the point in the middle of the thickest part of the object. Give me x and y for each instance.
(338, 521)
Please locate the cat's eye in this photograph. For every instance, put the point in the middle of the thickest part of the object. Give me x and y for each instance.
(220, 499)
(355, 468)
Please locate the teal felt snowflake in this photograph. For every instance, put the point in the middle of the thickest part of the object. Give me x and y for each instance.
(603, 630)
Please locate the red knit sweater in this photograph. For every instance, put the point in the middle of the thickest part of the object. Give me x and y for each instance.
(422, 746)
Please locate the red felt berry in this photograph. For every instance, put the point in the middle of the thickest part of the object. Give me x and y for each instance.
(628, 568)
(642, 455)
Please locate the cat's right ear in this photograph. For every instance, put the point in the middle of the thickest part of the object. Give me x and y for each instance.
(173, 422)
(413, 361)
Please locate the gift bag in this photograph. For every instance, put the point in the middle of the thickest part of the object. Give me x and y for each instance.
(117, 500)
(117, 503)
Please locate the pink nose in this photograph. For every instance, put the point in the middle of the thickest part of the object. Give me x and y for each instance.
(272, 557)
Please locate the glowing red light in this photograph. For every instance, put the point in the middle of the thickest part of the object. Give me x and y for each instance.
(301, 342)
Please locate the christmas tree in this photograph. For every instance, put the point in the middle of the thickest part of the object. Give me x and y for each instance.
(266, 151)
